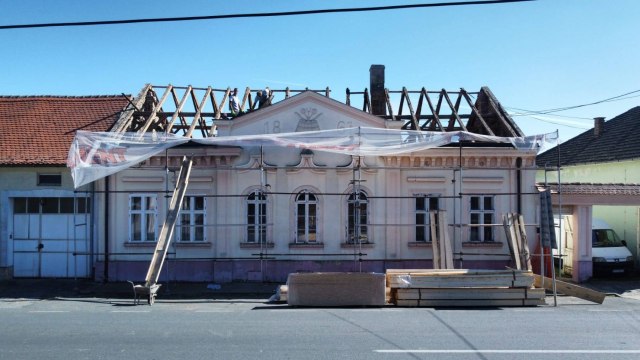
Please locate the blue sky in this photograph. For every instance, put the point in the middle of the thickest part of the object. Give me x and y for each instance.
(532, 55)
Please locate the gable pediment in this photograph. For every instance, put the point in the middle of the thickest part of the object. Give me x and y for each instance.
(307, 111)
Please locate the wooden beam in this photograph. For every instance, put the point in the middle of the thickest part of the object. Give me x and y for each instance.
(414, 121)
(156, 108)
(124, 122)
(179, 109)
(196, 118)
(476, 112)
(436, 118)
(569, 289)
(454, 112)
(510, 126)
(514, 249)
(389, 107)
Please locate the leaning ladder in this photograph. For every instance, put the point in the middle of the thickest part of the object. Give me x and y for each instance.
(150, 286)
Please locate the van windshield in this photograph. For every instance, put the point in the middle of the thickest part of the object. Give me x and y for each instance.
(605, 238)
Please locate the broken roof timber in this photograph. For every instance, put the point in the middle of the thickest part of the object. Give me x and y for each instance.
(149, 112)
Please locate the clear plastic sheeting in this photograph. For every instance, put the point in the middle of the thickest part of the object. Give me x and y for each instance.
(95, 155)
(363, 141)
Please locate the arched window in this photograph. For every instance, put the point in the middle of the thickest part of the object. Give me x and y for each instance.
(257, 217)
(357, 209)
(306, 217)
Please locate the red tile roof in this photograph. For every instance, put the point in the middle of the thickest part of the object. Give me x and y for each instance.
(38, 130)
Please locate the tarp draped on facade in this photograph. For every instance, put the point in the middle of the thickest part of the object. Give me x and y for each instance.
(96, 155)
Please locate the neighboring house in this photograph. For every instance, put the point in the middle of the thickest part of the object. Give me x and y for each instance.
(599, 177)
(257, 213)
(38, 230)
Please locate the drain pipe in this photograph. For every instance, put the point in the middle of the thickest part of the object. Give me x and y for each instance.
(519, 185)
(106, 230)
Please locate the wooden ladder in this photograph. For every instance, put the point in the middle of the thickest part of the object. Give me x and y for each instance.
(164, 239)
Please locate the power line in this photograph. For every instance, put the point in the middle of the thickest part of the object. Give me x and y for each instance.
(551, 111)
(254, 15)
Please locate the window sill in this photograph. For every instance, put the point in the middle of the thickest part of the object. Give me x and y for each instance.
(420, 244)
(306, 246)
(362, 245)
(482, 244)
(141, 244)
(193, 244)
(248, 245)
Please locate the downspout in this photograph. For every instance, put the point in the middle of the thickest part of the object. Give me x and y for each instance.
(106, 230)
(519, 185)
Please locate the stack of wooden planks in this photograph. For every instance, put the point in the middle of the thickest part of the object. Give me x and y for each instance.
(460, 287)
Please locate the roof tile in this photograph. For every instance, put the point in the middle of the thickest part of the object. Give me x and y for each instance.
(38, 130)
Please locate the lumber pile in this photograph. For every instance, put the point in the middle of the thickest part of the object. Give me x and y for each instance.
(460, 287)
(336, 289)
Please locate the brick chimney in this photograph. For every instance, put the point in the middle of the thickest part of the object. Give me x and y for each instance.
(376, 82)
(598, 126)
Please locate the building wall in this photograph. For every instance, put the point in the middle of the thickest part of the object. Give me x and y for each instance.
(391, 183)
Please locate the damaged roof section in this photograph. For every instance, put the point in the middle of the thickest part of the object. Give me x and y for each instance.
(37, 130)
(192, 111)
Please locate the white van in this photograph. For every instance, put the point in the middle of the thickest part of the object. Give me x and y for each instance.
(610, 254)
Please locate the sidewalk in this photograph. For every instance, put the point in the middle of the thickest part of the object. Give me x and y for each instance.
(52, 288)
(627, 287)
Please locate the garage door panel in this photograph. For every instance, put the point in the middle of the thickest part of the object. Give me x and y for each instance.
(54, 265)
(25, 245)
(21, 226)
(61, 234)
(55, 245)
(55, 226)
(34, 227)
(25, 264)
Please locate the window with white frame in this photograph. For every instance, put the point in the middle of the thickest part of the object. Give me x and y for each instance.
(306, 217)
(424, 204)
(192, 219)
(482, 216)
(143, 212)
(257, 217)
(357, 208)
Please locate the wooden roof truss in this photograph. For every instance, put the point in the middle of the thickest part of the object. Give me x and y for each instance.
(191, 111)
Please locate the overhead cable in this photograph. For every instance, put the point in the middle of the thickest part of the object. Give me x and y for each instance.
(256, 15)
(551, 111)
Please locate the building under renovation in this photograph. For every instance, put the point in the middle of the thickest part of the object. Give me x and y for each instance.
(285, 181)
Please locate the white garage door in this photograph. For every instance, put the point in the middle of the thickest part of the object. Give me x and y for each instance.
(50, 237)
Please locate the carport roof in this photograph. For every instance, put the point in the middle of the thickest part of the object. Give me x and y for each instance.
(595, 193)
(610, 189)
(38, 130)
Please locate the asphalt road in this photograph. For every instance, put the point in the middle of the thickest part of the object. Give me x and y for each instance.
(102, 328)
